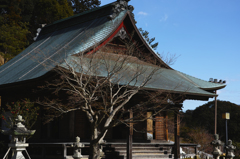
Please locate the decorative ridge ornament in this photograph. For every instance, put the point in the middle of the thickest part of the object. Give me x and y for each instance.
(38, 31)
(122, 34)
(120, 6)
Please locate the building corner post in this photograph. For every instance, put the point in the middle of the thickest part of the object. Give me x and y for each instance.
(129, 141)
(177, 131)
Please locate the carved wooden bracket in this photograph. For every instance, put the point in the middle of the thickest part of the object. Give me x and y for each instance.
(122, 34)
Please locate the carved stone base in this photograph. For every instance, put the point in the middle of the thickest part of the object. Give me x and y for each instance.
(77, 156)
(17, 149)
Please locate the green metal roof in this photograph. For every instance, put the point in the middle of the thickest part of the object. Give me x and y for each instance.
(53, 47)
(164, 79)
(64, 38)
(201, 83)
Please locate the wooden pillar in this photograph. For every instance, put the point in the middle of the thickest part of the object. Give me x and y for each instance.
(161, 126)
(129, 141)
(176, 134)
(166, 125)
(149, 126)
(43, 152)
(71, 124)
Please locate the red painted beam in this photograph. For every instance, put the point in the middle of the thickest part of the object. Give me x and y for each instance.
(107, 40)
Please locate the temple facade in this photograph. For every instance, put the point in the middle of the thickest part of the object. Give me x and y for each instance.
(98, 30)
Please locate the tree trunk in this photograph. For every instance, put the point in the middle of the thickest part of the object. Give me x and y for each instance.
(95, 151)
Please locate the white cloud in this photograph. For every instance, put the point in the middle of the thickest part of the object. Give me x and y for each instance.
(164, 18)
(142, 13)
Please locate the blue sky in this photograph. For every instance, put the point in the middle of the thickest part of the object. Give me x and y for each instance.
(204, 34)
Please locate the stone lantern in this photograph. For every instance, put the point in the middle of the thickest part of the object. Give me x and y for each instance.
(18, 142)
(77, 149)
(216, 143)
(230, 149)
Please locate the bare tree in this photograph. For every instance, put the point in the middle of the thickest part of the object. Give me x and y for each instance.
(103, 85)
(202, 137)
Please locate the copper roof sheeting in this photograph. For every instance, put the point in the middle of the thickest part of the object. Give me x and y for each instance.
(103, 64)
(64, 38)
(56, 46)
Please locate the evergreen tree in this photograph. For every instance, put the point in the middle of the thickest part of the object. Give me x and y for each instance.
(13, 40)
(203, 116)
(145, 34)
(19, 20)
(17, 16)
(14, 32)
(48, 11)
(84, 5)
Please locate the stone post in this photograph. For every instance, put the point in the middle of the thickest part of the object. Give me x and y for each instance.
(216, 143)
(230, 148)
(77, 149)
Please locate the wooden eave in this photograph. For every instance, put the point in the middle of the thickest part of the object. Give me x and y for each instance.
(25, 87)
(130, 23)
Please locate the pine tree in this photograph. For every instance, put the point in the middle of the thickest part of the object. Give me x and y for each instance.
(145, 34)
(14, 32)
(48, 11)
(19, 20)
(13, 40)
(84, 5)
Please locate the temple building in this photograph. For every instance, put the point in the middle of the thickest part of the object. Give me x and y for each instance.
(89, 33)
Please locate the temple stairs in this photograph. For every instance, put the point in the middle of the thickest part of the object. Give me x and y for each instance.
(139, 151)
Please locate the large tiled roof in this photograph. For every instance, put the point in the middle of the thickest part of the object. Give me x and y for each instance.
(59, 41)
(55, 43)
(159, 78)
(205, 85)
